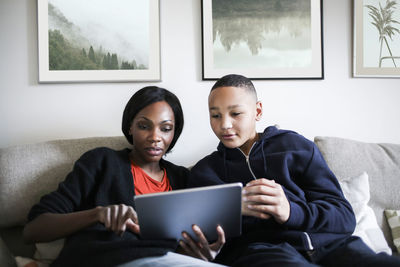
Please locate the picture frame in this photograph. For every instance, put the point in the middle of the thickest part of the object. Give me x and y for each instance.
(374, 56)
(275, 40)
(106, 41)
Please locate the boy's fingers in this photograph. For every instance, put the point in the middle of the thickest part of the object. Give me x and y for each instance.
(259, 190)
(249, 212)
(260, 199)
(261, 181)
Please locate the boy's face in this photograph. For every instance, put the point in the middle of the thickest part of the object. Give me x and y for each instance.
(233, 115)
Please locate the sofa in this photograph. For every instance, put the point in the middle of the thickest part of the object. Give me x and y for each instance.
(368, 173)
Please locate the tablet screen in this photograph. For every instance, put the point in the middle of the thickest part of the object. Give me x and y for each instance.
(165, 215)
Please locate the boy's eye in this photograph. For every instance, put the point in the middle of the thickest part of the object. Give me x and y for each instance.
(234, 114)
(215, 116)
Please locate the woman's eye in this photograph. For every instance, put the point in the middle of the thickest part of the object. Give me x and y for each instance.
(142, 126)
(166, 129)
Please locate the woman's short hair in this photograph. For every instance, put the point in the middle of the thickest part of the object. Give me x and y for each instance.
(147, 96)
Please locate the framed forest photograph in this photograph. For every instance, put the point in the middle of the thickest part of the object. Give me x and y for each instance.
(269, 39)
(376, 42)
(98, 40)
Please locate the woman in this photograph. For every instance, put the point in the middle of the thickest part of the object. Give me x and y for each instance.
(94, 206)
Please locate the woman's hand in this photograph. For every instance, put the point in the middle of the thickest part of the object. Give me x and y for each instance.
(263, 198)
(202, 249)
(119, 218)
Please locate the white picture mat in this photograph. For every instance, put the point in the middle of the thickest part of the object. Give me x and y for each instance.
(153, 72)
(359, 68)
(315, 71)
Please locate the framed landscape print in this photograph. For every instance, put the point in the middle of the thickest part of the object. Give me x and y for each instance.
(376, 38)
(98, 40)
(267, 39)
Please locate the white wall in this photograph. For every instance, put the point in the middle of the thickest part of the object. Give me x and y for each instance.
(364, 109)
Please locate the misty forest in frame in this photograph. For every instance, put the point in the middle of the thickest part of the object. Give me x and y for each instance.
(90, 45)
(261, 33)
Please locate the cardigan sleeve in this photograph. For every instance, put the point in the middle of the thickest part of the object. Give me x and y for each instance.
(73, 191)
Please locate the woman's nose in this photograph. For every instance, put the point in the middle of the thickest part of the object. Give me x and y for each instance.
(155, 136)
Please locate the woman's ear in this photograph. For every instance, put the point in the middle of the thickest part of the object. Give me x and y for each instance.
(259, 110)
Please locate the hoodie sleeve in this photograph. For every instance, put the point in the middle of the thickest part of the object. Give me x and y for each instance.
(323, 208)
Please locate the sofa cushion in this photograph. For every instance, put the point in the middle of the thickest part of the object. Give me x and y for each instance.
(393, 218)
(349, 158)
(356, 191)
(29, 171)
(6, 258)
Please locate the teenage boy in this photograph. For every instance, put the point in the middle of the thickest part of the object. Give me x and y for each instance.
(294, 211)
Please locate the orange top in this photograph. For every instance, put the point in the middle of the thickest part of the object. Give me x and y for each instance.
(144, 184)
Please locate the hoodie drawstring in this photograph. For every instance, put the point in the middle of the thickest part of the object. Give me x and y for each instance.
(264, 158)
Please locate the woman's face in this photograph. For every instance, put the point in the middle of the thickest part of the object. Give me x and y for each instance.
(152, 131)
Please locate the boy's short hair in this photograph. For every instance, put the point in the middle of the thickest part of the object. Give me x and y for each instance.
(235, 80)
(147, 96)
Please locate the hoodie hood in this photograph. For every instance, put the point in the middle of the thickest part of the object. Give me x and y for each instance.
(257, 150)
(269, 132)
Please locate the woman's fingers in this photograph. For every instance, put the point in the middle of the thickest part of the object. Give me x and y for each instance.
(192, 247)
(118, 218)
(132, 226)
(216, 247)
(202, 248)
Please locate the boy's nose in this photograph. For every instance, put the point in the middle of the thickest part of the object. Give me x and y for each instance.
(226, 124)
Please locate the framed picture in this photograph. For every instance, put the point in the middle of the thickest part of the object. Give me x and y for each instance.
(98, 40)
(376, 38)
(262, 39)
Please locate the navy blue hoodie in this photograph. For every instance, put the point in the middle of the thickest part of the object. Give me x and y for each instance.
(319, 213)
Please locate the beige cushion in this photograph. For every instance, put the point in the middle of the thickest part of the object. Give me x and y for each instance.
(29, 171)
(348, 158)
(393, 218)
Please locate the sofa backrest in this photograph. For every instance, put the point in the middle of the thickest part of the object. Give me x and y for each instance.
(348, 159)
(29, 171)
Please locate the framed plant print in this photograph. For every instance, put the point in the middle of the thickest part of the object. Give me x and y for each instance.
(262, 39)
(376, 45)
(98, 40)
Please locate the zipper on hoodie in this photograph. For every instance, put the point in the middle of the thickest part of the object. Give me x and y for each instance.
(248, 160)
(310, 246)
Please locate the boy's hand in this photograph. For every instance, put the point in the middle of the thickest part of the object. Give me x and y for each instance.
(263, 198)
(202, 249)
(119, 218)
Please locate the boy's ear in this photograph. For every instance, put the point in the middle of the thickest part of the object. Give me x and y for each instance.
(259, 110)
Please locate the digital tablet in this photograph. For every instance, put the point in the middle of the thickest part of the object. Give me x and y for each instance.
(165, 215)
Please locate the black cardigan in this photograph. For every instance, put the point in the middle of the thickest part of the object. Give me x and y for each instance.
(103, 177)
